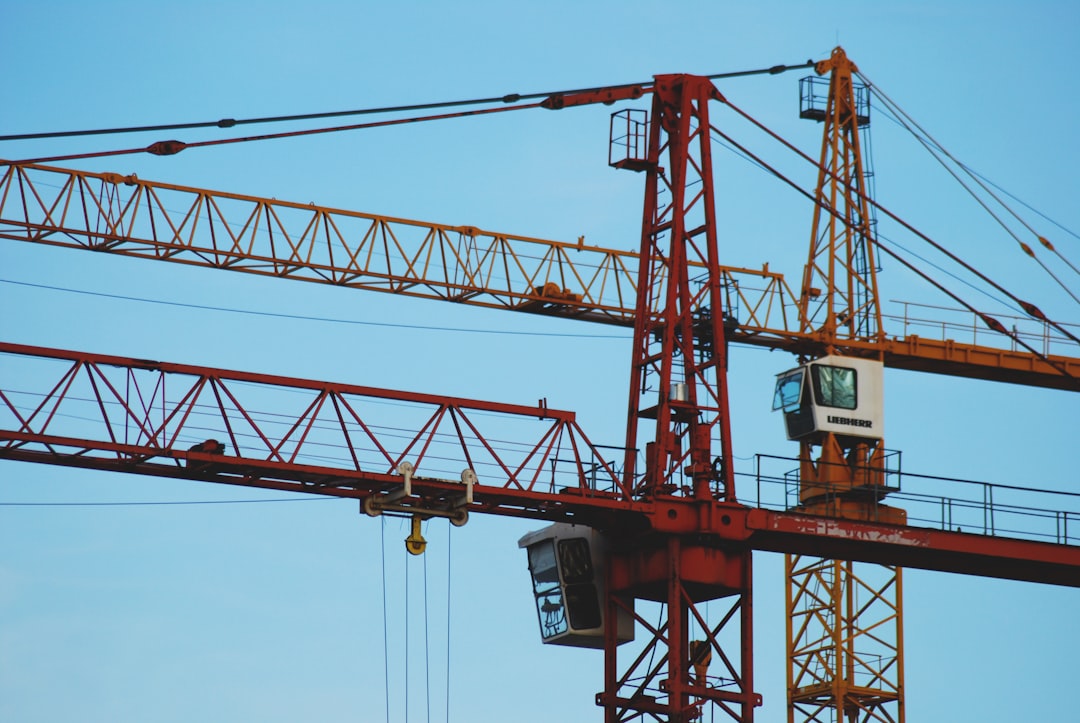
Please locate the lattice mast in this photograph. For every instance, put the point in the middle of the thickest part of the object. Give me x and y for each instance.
(678, 380)
(839, 297)
(678, 407)
(844, 620)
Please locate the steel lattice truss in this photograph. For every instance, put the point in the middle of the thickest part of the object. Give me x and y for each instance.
(842, 248)
(846, 656)
(129, 216)
(242, 428)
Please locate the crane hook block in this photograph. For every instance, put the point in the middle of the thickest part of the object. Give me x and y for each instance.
(415, 542)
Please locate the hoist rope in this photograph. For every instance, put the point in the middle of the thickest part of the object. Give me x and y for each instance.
(386, 627)
(449, 577)
(427, 638)
(1029, 308)
(427, 647)
(405, 567)
(508, 98)
(933, 147)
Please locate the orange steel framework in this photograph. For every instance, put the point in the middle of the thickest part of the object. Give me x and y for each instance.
(844, 625)
(845, 654)
(678, 533)
(125, 215)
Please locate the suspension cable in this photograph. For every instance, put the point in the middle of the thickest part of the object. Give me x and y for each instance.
(1042, 239)
(762, 167)
(508, 98)
(988, 320)
(169, 148)
(942, 269)
(924, 137)
(931, 145)
(1029, 308)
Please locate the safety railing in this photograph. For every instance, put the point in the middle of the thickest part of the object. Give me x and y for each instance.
(943, 503)
(961, 325)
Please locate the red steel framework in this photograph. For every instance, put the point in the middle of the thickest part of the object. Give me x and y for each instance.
(678, 386)
(154, 418)
(678, 533)
(140, 416)
(147, 417)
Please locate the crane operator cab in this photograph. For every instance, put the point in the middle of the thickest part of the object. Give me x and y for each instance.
(566, 563)
(838, 395)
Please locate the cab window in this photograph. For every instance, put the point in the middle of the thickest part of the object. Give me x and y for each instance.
(834, 386)
(788, 391)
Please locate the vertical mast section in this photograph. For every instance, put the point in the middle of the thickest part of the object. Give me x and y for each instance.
(678, 372)
(839, 296)
(678, 392)
(844, 619)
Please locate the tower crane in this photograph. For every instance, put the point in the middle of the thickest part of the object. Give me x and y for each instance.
(664, 523)
(845, 655)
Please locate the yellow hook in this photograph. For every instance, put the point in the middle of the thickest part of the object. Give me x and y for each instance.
(415, 542)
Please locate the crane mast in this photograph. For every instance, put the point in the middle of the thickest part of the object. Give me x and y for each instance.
(844, 621)
(678, 372)
(678, 383)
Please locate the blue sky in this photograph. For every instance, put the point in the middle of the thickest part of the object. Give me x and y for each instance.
(274, 611)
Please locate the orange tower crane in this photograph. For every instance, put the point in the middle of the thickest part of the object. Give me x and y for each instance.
(673, 530)
(844, 620)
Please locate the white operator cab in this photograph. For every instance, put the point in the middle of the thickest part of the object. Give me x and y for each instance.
(833, 394)
(567, 567)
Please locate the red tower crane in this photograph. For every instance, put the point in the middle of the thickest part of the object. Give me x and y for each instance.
(675, 529)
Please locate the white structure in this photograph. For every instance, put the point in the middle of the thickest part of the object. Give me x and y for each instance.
(841, 395)
(567, 567)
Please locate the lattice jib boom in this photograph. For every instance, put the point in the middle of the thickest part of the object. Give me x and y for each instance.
(144, 416)
(129, 216)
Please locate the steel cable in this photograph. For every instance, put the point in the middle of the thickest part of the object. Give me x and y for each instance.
(232, 122)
